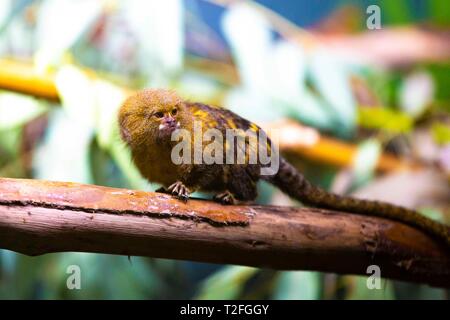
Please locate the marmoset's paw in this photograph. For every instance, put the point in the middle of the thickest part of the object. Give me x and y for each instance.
(179, 190)
(225, 198)
(162, 190)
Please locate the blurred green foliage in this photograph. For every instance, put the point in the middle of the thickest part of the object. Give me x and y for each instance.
(141, 44)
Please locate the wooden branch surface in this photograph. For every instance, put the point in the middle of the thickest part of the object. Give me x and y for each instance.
(38, 217)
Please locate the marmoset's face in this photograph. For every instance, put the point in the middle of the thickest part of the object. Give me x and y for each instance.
(165, 117)
(150, 115)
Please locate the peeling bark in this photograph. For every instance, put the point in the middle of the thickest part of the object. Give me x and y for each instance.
(38, 217)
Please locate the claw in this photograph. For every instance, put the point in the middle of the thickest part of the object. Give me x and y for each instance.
(179, 190)
(175, 189)
(226, 198)
(183, 197)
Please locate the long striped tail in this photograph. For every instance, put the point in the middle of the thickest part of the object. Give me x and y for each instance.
(294, 184)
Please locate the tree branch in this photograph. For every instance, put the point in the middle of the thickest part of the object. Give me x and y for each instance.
(38, 217)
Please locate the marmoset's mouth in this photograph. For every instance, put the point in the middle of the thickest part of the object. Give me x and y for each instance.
(167, 127)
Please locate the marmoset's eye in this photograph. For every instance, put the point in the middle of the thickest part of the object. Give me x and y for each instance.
(174, 111)
(159, 114)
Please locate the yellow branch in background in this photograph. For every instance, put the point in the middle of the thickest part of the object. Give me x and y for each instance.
(21, 77)
(306, 142)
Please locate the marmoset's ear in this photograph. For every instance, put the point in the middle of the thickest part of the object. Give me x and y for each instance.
(125, 134)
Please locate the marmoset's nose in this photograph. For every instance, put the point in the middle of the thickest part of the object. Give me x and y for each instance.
(170, 121)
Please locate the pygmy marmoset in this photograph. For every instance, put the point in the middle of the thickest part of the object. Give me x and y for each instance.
(148, 119)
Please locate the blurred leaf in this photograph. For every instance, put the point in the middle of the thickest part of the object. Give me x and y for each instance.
(16, 109)
(26, 280)
(195, 84)
(413, 291)
(94, 105)
(333, 83)
(416, 93)
(78, 95)
(396, 12)
(59, 24)
(441, 133)
(440, 11)
(253, 105)
(365, 161)
(105, 276)
(159, 27)
(360, 291)
(6, 13)
(288, 71)
(249, 36)
(9, 10)
(288, 86)
(301, 285)
(104, 170)
(122, 157)
(10, 142)
(365, 94)
(70, 130)
(227, 283)
(412, 189)
(386, 85)
(272, 72)
(66, 142)
(433, 214)
(384, 119)
(310, 110)
(8, 261)
(109, 99)
(14, 168)
(441, 76)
